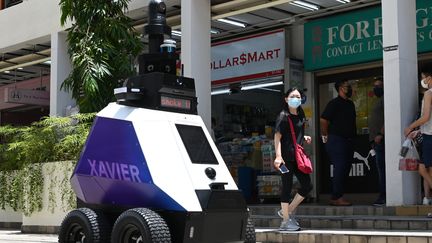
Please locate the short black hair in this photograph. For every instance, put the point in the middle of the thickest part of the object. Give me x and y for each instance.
(427, 70)
(339, 83)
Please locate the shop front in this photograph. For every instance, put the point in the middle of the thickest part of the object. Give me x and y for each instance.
(349, 47)
(247, 94)
(24, 102)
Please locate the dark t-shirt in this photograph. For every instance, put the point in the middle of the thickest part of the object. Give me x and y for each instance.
(341, 115)
(283, 127)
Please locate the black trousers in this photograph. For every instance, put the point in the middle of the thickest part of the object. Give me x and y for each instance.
(287, 182)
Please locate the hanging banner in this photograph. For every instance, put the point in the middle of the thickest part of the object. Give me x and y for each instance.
(27, 96)
(246, 58)
(356, 37)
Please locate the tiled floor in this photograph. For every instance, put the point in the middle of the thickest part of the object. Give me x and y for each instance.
(343, 236)
(15, 236)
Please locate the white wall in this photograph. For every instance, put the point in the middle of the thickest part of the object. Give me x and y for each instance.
(10, 216)
(30, 22)
(46, 217)
(33, 21)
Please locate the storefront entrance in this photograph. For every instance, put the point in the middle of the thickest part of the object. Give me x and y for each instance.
(362, 183)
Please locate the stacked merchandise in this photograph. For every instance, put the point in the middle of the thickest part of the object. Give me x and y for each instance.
(269, 186)
(235, 154)
(268, 155)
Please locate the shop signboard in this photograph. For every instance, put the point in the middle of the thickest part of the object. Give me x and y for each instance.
(251, 57)
(356, 37)
(27, 96)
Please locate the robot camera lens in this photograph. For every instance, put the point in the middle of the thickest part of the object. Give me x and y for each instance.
(161, 7)
(210, 172)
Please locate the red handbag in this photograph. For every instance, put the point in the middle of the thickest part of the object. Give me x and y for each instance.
(304, 163)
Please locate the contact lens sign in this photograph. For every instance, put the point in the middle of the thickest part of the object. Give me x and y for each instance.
(356, 37)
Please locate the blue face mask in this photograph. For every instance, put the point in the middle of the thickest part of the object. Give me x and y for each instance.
(294, 102)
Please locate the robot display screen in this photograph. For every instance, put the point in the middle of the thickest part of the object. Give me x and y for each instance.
(178, 103)
(196, 144)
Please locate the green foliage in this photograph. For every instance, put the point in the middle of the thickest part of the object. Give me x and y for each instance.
(23, 151)
(102, 44)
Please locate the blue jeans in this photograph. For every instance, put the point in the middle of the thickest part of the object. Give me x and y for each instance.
(380, 163)
(340, 151)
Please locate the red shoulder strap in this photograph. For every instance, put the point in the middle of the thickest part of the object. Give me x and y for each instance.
(292, 131)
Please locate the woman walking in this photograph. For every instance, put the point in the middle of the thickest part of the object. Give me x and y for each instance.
(285, 155)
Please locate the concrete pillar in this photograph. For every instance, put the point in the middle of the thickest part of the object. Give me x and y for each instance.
(60, 69)
(195, 51)
(401, 94)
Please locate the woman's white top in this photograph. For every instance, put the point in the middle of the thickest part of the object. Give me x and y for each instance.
(427, 127)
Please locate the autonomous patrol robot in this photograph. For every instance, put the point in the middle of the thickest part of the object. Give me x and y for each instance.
(149, 171)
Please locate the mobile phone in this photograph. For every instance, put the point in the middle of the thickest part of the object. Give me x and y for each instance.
(283, 169)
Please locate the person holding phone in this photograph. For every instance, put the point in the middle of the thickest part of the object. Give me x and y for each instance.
(285, 157)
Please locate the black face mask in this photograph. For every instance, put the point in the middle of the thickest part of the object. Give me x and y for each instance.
(378, 91)
(349, 92)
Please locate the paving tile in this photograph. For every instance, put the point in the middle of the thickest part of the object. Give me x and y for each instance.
(347, 224)
(273, 237)
(339, 239)
(379, 211)
(330, 211)
(358, 239)
(401, 239)
(289, 238)
(363, 224)
(429, 225)
(274, 222)
(323, 238)
(389, 211)
(382, 224)
(407, 211)
(417, 239)
(261, 237)
(360, 210)
(334, 224)
(417, 225)
(310, 238)
(316, 223)
(377, 239)
(399, 225)
(424, 210)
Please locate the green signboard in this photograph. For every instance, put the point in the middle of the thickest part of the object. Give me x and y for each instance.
(356, 37)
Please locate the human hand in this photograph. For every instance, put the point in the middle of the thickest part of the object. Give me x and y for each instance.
(413, 134)
(407, 131)
(278, 161)
(308, 139)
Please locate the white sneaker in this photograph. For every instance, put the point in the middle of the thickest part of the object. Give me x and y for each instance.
(427, 201)
(292, 217)
(289, 225)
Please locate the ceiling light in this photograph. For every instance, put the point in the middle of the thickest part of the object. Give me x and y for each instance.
(305, 5)
(176, 33)
(263, 85)
(179, 33)
(47, 62)
(214, 31)
(220, 91)
(344, 1)
(20, 68)
(7, 71)
(231, 22)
